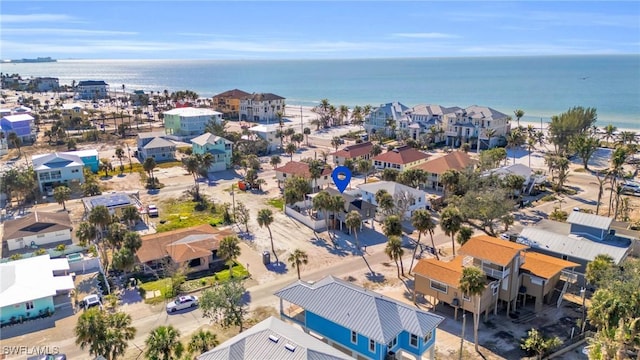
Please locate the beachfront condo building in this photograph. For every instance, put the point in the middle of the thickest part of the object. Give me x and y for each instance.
(92, 89)
(464, 125)
(426, 120)
(228, 103)
(262, 107)
(188, 122)
(385, 118)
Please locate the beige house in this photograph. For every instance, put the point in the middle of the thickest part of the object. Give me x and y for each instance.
(465, 124)
(228, 103)
(400, 158)
(301, 169)
(353, 152)
(75, 110)
(511, 274)
(455, 160)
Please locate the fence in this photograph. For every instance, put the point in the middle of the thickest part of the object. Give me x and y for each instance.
(315, 225)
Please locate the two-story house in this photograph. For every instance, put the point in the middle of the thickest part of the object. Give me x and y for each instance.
(92, 89)
(189, 122)
(44, 84)
(507, 272)
(455, 160)
(358, 321)
(74, 110)
(262, 107)
(219, 147)
(583, 237)
(57, 169)
(156, 147)
(228, 103)
(267, 132)
(385, 118)
(366, 209)
(427, 119)
(405, 197)
(353, 152)
(23, 125)
(400, 158)
(301, 169)
(465, 124)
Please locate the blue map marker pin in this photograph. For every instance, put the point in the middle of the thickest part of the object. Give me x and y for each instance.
(341, 177)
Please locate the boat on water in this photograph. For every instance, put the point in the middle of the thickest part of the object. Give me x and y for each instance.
(36, 60)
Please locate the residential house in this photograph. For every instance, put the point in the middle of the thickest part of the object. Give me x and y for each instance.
(582, 238)
(405, 197)
(114, 202)
(154, 145)
(57, 169)
(44, 84)
(301, 169)
(400, 158)
(37, 229)
(268, 133)
(189, 122)
(262, 107)
(92, 90)
(530, 178)
(20, 110)
(465, 124)
(193, 248)
(228, 103)
(30, 285)
(385, 118)
(272, 338)
(23, 125)
(353, 152)
(420, 120)
(358, 321)
(219, 147)
(366, 209)
(74, 110)
(139, 98)
(455, 160)
(512, 274)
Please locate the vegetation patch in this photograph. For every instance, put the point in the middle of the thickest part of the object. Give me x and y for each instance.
(277, 203)
(548, 198)
(239, 272)
(180, 214)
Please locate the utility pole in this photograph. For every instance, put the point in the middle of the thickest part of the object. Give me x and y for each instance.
(478, 130)
(464, 323)
(301, 126)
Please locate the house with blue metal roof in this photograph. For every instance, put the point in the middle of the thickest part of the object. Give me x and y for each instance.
(360, 322)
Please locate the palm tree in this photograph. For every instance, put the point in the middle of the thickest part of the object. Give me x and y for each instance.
(395, 251)
(609, 132)
(450, 222)
(519, 114)
(148, 166)
(336, 205)
(100, 217)
(130, 214)
(163, 343)
(298, 258)
(514, 139)
(307, 131)
(105, 334)
(354, 221)
(229, 250)
(14, 139)
(316, 167)
(192, 165)
(531, 144)
(275, 161)
(385, 201)
(265, 218)
(62, 194)
(120, 155)
(202, 341)
(449, 179)
(290, 149)
(421, 221)
(86, 232)
(465, 233)
(335, 142)
(364, 167)
(472, 284)
(322, 201)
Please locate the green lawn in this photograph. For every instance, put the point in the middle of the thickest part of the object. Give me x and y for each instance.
(277, 203)
(179, 214)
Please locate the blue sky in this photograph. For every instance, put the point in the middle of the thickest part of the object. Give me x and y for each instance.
(315, 30)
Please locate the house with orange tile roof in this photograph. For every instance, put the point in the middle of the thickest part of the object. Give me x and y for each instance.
(353, 152)
(400, 158)
(228, 103)
(193, 248)
(455, 160)
(301, 169)
(512, 274)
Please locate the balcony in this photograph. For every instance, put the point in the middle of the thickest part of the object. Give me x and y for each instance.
(294, 313)
(494, 273)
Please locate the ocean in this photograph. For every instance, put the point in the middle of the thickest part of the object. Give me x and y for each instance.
(541, 86)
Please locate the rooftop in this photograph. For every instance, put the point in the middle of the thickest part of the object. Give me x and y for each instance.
(545, 266)
(355, 150)
(301, 169)
(402, 155)
(191, 111)
(35, 223)
(18, 117)
(445, 272)
(455, 160)
(55, 161)
(391, 187)
(233, 94)
(590, 220)
(111, 201)
(209, 138)
(158, 143)
(492, 249)
(263, 97)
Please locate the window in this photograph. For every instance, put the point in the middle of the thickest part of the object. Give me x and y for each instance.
(393, 342)
(439, 286)
(427, 337)
(413, 340)
(494, 289)
(354, 337)
(466, 297)
(29, 305)
(40, 235)
(565, 257)
(372, 345)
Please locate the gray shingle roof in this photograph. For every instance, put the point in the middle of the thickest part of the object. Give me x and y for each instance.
(368, 313)
(208, 138)
(255, 343)
(590, 220)
(158, 143)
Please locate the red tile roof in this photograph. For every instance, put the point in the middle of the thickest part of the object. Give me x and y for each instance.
(401, 155)
(456, 160)
(301, 169)
(545, 266)
(232, 94)
(354, 151)
(160, 245)
(492, 249)
(446, 272)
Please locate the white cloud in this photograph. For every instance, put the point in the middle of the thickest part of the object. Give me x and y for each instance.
(65, 32)
(430, 35)
(31, 18)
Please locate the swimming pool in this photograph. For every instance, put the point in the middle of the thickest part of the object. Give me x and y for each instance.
(74, 257)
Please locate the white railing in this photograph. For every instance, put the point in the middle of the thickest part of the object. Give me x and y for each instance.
(498, 274)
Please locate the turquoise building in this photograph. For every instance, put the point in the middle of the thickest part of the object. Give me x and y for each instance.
(360, 322)
(220, 148)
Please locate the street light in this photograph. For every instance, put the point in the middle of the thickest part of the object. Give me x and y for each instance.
(233, 199)
(583, 293)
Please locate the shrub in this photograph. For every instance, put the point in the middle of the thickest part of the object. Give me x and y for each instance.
(548, 198)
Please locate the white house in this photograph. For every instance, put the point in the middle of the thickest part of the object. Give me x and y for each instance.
(29, 285)
(384, 115)
(422, 118)
(261, 107)
(57, 168)
(37, 229)
(406, 197)
(530, 179)
(189, 122)
(400, 158)
(268, 133)
(92, 89)
(464, 124)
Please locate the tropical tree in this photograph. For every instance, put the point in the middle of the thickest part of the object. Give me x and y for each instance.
(120, 155)
(124, 260)
(265, 218)
(489, 133)
(148, 166)
(105, 165)
(132, 241)
(298, 258)
(531, 145)
(449, 179)
(14, 139)
(609, 132)
(392, 226)
(514, 139)
(365, 167)
(600, 269)
(322, 201)
(202, 341)
(163, 343)
(395, 252)
(229, 250)
(62, 194)
(336, 206)
(192, 164)
(335, 142)
(316, 167)
(535, 342)
(103, 333)
(585, 146)
(275, 161)
(290, 149)
(225, 302)
(130, 214)
(86, 232)
(450, 222)
(519, 114)
(472, 284)
(100, 217)
(354, 221)
(306, 131)
(385, 201)
(464, 234)
(421, 220)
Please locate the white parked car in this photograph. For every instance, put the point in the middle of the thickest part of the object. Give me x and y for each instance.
(152, 210)
(91, 301)
(182, 302)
